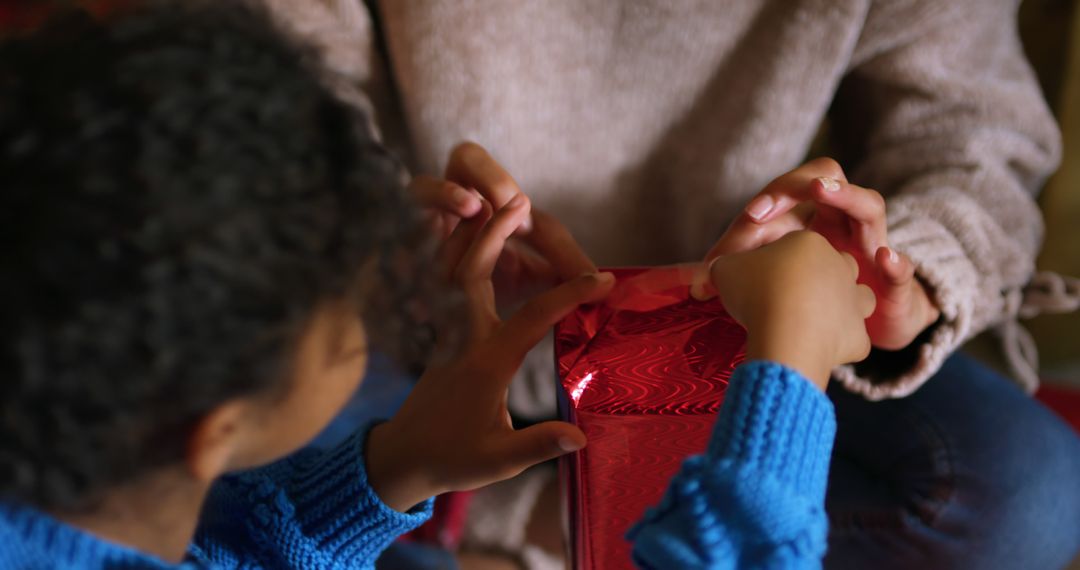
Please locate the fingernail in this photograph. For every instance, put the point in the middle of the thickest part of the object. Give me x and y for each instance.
(893, 256)
(569, 445)
(526, 224)
(760, 207)
(515, 201)
(699, 287)
(461, 195)
(829, 184)
(464, 199)
(605, 277)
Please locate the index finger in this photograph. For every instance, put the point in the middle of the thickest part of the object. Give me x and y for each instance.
(471, 166)
(792, 188)
(864, 206)
(443, 196)
(744, 234)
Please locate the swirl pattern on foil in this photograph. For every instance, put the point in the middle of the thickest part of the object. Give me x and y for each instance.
(643, 379)
(625, 469)
(674, 359)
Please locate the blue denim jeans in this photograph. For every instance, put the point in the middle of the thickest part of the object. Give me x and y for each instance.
(967, 472)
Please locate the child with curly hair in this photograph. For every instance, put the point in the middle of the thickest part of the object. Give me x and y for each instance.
(202, 246)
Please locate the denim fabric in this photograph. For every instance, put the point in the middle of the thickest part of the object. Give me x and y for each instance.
(412, 556)
(968, 472)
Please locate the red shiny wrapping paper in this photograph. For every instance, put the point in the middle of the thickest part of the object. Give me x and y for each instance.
(643, 375)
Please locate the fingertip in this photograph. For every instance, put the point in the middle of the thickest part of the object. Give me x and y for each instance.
(469, 206)
(701, 288)
(759, 208)
(569, 438)
(885, 255)
(526, 225)
(895, 267)
(568, 444)
(599, 284)
(596, 277)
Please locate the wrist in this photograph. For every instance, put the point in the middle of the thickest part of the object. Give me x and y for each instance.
(801, 351)
(393, 472)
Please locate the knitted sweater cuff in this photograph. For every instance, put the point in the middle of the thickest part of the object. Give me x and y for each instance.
(335, 502)
(952, 282)
(775, 421)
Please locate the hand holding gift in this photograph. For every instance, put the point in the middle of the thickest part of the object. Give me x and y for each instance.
(453, 432)
(755, 498)
(800, 303)
(818, 197)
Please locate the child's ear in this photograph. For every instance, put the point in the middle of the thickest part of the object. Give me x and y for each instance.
(216, 441)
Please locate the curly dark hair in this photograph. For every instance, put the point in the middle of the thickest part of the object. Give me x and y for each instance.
(178, 192)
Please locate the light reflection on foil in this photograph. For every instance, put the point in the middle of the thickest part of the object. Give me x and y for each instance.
(575, 395)
(655, 362)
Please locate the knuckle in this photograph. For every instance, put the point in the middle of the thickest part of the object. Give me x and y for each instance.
(503, 184)
(878, 201)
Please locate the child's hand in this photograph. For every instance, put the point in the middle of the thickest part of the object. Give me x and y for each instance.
(799, 301)
(454, 432)
(817, 196)
(541, 252)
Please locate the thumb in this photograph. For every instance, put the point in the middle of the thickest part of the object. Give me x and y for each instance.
(536, 444)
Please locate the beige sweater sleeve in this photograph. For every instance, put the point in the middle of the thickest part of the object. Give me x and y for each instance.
(944, 116)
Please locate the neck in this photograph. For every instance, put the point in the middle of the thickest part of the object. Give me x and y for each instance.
(156, 516)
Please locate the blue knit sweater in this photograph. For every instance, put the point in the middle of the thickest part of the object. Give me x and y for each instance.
(753, 500)
(312, 510)
(756, 497)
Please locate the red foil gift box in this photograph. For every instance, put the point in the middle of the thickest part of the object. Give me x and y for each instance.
(643, 374)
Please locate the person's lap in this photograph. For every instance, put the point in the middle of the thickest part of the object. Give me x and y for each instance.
(968, 472)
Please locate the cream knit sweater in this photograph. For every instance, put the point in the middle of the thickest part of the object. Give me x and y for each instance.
(646, 125)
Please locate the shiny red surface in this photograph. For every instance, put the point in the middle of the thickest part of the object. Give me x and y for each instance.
(643, 375)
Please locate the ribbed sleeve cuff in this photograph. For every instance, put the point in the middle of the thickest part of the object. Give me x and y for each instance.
(335, 503)
(775, 421)
(953, 283)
